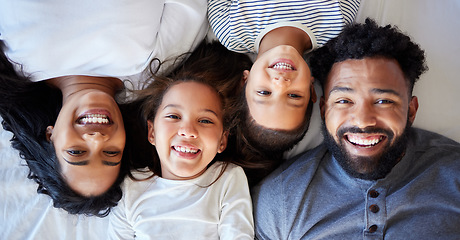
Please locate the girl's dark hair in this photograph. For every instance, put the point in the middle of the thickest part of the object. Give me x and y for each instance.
(27, 108)
(211, 64)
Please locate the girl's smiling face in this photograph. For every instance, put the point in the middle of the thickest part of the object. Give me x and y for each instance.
(188, 130)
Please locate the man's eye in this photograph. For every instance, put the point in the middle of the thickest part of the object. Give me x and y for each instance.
(263, 93)
(343, 101)
(111, 153)
(75, 152)
(294, 95)
(384, 101)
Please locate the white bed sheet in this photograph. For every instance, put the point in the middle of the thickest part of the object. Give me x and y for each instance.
(435, 25)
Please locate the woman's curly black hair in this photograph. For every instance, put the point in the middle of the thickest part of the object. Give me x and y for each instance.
(368, 40)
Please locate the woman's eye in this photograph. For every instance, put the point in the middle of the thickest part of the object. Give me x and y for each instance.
(263, 93)
(75, 152)
(112, 153)
(172, 116)
(292, 95)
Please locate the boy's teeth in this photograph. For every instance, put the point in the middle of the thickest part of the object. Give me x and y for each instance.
(186, 150)
(283, 66)
(94, 118)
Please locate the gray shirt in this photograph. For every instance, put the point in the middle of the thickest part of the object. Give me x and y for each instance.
(312, 197)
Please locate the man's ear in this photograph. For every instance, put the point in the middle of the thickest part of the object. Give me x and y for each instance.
(49, 133)
(151, 133)
(322, 106)
(223, 142)
(413, 107)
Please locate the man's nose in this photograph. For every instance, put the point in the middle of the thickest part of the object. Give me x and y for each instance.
(364, 115)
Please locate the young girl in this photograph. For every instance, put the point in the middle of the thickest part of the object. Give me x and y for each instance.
(190, 192)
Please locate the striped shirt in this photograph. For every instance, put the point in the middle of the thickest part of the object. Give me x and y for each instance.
(241, 24)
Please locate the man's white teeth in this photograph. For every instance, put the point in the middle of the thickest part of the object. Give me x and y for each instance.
(283, 66)
(95, 118)
(185, 150)
(364, 142)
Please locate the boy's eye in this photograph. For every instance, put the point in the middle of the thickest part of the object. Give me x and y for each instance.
(263, 93)
(75, 152)
(111, 153)
(292, 95)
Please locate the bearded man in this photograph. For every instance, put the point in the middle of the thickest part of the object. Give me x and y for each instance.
(375, 176)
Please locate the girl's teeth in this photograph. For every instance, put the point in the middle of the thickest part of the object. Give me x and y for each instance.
(185, 150)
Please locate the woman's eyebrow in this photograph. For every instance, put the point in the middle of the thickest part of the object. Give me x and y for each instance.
(109, 163)
(77, 163)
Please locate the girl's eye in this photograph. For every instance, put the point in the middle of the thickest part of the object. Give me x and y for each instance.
(75, 152)
(206, 121)
(263, 93)
(292, 95)
(112, 153)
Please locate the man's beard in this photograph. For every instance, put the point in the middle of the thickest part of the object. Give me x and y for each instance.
(369, 168)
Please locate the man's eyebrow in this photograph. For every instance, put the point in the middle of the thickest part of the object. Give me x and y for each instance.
(79, 163)
(340, 89)
(382, 91)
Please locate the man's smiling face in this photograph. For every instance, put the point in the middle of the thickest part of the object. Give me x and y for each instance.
(367, 111)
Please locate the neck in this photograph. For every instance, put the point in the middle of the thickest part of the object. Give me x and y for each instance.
(75, 83)
(292, 36)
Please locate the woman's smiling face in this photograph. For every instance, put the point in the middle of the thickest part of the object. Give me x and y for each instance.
(188, 130)
(89, 139)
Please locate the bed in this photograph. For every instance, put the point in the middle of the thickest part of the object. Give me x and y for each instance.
(435, 25)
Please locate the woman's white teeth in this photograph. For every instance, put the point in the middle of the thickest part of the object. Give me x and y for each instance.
(283, 66)
(364, 142)
(95, 118)
(185, 150)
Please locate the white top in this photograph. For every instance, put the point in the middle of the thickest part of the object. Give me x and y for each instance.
(159, 208)
(115, 38)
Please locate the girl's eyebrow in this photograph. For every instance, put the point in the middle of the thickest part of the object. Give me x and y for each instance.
(180, 107)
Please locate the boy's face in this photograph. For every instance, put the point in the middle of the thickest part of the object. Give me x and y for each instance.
(279, 88)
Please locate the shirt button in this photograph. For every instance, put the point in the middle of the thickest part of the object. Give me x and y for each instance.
(373, 228)
(374, 208)
(373, 193)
